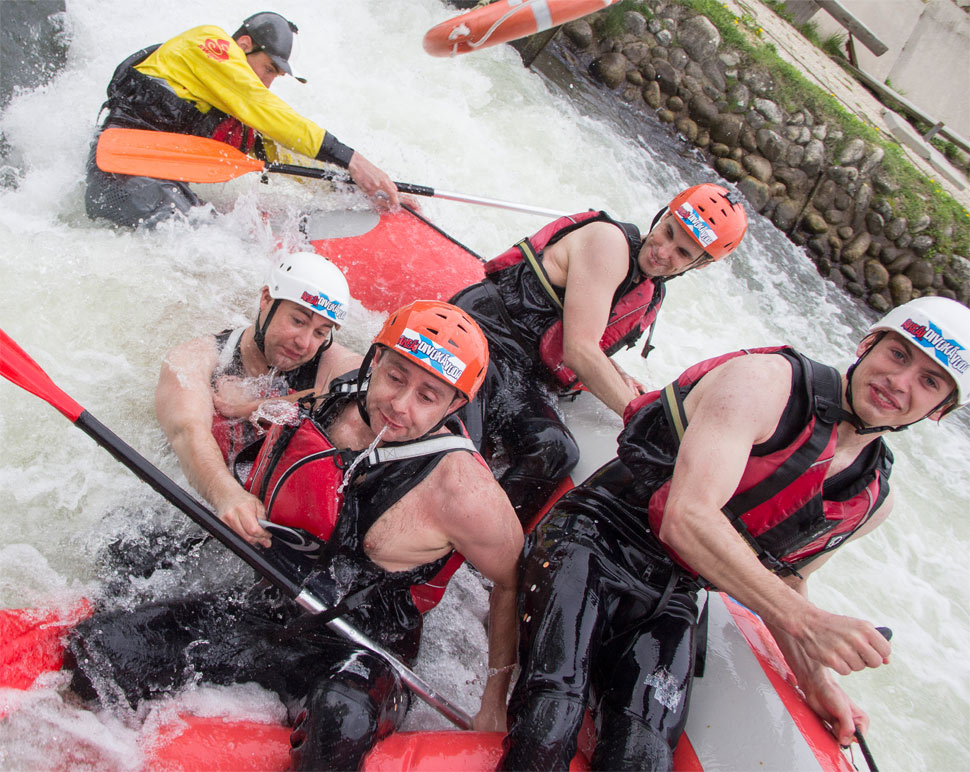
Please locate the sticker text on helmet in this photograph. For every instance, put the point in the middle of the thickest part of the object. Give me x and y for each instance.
(930, 336)
(438, 358)
(332, 308)
(703, 232)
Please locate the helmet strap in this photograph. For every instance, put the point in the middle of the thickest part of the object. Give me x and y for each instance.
(259, 336)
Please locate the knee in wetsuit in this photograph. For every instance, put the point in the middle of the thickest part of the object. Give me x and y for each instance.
(542, 733)
(542, 453)
(341, 722)
(626, 742)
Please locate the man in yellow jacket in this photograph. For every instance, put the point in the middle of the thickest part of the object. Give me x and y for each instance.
(206, 83)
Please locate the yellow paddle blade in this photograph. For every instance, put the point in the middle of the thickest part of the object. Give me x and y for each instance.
(167, 156)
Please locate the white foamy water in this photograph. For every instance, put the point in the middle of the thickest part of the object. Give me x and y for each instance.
(99, 308)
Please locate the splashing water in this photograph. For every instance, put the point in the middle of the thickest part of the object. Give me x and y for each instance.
(356, 462)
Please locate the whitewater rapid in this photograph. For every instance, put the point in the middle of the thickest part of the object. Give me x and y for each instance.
(98, 309)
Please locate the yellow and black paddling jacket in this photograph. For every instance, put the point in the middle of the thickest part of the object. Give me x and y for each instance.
(534, 305)
(200, 83)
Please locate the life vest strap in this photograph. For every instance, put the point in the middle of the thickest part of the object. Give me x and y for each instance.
(525, 247)
(443, 444)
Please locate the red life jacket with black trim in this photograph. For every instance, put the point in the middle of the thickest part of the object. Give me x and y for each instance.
(297, 474)
(635, 305)
(783, 506)
(137, 101)
(232, 435)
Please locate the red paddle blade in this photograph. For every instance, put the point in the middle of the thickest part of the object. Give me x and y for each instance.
(20, 369)
(167, 156)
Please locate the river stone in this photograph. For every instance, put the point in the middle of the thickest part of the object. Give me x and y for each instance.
(816, 223)
(636, 52)
(703, 110)
(654, 26)
(658, 52)
(729, 58)
(921, 224)
(688, 128)
(900, 289)
(635, 78)
(651, 94)
(755, 119)
(634, 23)
(675, 103)
(758, 80)
(664, 37)
(699, 37)
(849, 272)
(874, 222)
(875, 248)
(820, 246)
(884, 183)
(842, 199)
(878, 303)
(799, 134)
(771, 145)
(770, 110)
(947, 293)
(876, 275)
(667, 76)
(737, 154)
(855, 289)
(678, 58)
(852, 153)
(820, 131)
(903, 260)
(695, 70)
(795, 155)
(666, 116)
(726, 129)
(921, 273)
(689, 86)
(748, 139)
(711, 69)
(922, 244)
(904, 241)
(648, 71)
(758, 166)
(814, 157)
(739, 96)
(755, 191)
(580, 33)
(785, 214)
(846, 231)
(729, 169)
(884, 208)
(863, 198)
(720, 150)
(834, 216)
(703, 138)
(872, 161)
(610, 69)
(796, 181)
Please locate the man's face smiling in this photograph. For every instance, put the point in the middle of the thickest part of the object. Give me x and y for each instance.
(405, 399)
(897, 383)
(668, 250)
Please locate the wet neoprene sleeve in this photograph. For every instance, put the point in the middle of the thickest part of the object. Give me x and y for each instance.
(332, 150)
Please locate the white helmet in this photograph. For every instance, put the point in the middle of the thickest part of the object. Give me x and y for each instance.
(942, 327)
(313, 282)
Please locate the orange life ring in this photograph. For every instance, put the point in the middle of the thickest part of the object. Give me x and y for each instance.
(504, 21)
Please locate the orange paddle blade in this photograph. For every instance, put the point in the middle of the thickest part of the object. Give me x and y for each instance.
(167, 156)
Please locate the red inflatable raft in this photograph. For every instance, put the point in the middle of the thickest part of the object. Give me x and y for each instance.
(745, 711)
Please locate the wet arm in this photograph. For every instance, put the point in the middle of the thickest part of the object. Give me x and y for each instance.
(597, 264)
(732, 409)
(184, 407)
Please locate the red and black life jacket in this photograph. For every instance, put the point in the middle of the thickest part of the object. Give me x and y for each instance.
(635, 302)
(232, 435)
(297, 474)
(137, 101)
(783, 506)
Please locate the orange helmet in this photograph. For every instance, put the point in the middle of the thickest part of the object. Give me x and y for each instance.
(713, 217)
(442, 339)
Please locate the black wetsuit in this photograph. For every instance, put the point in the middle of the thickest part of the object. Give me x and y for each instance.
(349, 697)
(608, 616)
(517, 405)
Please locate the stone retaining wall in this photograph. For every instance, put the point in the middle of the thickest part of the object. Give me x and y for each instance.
(827, 192)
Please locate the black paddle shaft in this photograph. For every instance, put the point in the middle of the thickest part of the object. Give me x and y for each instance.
(177, 496)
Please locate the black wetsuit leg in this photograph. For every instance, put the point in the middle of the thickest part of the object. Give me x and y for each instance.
(357, 702)
(517, 408)
(134, 201)
(588, 625)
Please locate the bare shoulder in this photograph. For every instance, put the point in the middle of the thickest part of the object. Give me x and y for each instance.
(198, 354)
(462, 477)
(335, 361)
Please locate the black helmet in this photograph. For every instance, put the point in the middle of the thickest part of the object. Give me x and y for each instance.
(274, 35)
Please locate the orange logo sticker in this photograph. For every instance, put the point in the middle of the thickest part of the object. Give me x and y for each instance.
(216, 49)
